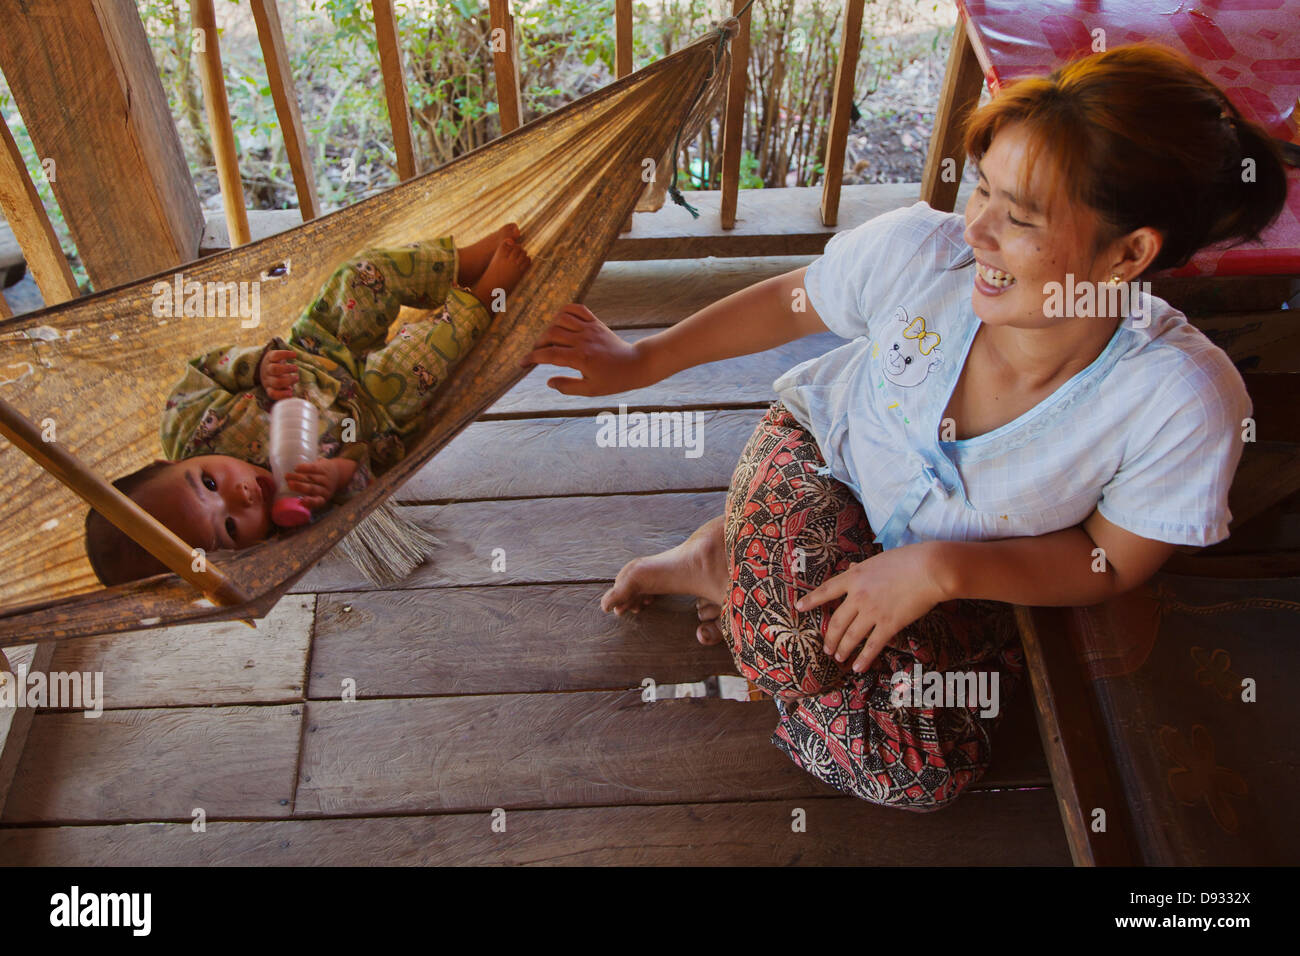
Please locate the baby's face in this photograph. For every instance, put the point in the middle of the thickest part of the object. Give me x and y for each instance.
(213, 502)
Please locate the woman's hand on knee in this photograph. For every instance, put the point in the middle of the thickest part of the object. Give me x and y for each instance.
(882, 595)
(577, 339)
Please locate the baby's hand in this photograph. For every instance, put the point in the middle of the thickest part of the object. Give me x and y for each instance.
(317, 482)
(277, 373)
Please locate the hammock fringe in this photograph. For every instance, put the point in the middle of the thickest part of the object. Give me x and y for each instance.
(386, 546)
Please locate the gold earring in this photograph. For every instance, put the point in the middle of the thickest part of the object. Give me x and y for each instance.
(1115, 278)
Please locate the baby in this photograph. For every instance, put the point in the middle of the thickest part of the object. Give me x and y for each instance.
(215, 491)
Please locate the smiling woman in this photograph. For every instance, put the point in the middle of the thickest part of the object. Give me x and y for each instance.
(971, 448)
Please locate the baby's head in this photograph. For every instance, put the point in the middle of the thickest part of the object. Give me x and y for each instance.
(213, 502)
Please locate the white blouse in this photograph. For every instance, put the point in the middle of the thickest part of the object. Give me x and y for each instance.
(1150, 432)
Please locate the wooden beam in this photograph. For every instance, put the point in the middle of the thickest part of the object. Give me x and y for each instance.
(86, 83)
(220, 128)
(1006, 828)
(390, 64)
(280, 78)
(846, 71)
(961, 92)
(777, 222)
(16, 722)
(1075, 742)
(733, 124)
(31, 226)
(505, 65)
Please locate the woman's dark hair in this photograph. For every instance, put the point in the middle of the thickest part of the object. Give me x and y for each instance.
(1143, 138)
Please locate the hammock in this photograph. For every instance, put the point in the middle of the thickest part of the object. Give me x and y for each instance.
(100, 366)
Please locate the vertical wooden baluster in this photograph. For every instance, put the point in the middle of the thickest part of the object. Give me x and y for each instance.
(505, 66)
(31, 226)
(733, 127)
(280, 79)
(390, 64)
(223, 133)
(846, 72)
(962, 82)
(623, 55)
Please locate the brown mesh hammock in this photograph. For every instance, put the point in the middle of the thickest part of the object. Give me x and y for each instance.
(100, 367)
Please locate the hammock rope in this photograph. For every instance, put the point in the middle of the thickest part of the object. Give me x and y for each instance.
(726, 30)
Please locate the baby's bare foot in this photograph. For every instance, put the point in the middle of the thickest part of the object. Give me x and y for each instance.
(473, 259)
(696, 565)
(504, 271)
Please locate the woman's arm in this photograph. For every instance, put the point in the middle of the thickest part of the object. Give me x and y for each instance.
(764, 315)
(890, 590)
(759, 317)
(1078, 566)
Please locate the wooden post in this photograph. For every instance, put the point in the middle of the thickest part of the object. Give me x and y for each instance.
(86, 83)
(504, 66)
(31, 226)
(204, 18)
(846, 72)
(143, 528)
(278, 75)
(1074, 739)
(623, 56)
(733, 124)
(946, 158)
(390, 64)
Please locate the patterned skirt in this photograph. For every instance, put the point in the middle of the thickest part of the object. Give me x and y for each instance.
(789, 527)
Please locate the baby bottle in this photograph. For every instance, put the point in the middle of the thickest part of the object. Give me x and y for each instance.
(293, 441)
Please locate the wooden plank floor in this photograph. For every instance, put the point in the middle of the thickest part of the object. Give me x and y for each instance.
(485, 710)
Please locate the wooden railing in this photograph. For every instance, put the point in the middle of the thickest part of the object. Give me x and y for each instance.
(36, 237)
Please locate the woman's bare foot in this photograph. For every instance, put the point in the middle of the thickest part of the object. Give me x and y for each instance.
(474, 259)
(697, 566)
(504, 270)
(710, 630)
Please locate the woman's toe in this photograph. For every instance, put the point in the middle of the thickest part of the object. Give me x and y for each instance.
(706, 610)
(709, 633)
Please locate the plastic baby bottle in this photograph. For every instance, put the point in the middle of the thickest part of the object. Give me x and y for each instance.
(293, 442)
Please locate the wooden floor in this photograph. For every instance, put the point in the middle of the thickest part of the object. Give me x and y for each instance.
(498, 714)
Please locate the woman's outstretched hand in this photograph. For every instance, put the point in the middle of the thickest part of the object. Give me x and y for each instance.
(882, 595)
(577, 339)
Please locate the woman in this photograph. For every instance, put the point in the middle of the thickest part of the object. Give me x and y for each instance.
(985, 440)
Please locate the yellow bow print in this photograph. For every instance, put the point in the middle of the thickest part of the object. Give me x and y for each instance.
(916, 330)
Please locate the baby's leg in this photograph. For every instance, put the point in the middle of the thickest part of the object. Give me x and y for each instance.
(358, 303)
(475, 258)
(405, 373)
